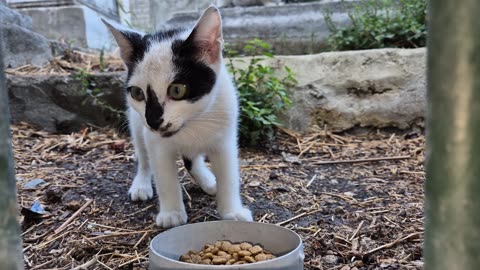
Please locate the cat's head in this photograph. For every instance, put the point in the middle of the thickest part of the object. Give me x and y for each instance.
(171, 74)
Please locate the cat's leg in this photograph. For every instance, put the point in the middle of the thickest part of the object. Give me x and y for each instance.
(225, 166)
(163, 163)
(200, 172)
(141, 188)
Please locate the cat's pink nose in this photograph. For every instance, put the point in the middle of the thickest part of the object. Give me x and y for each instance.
(165, 127)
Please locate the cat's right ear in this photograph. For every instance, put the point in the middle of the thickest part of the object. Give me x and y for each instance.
(127, 41)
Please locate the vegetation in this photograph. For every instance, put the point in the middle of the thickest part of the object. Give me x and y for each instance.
(262, 93)
(381, 24)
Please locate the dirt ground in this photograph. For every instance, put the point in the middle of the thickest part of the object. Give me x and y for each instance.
(355, 198)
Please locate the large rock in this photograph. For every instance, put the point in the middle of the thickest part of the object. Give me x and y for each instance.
(20, 45)
(342, 90)
(10, 16)
(61, 103)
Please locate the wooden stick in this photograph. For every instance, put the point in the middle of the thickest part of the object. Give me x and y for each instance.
(297, 217)
(358, 160)
(357, 230)
(311, 180)
(75, 215)
(87, 264)
(398, 240)
(141, 239)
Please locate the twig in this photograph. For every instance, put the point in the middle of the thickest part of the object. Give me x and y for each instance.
(311, 180)
(357, 230)
(118, 234)
(70, 219)
(358, 160)
(297, 217)
(87, 264)
(389, 245)
(141, 239)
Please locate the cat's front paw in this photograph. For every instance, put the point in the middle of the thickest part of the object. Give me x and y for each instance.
(140, 190)
(241, 214)
(168, 219)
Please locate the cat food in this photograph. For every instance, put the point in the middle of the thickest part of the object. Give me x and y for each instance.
(227, 253)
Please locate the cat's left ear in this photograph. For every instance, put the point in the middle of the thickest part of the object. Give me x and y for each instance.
(207, 35)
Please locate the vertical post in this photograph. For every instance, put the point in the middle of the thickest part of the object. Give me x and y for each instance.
(452, 237)
(10, 244)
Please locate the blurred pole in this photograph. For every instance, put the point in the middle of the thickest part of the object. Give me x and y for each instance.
(452, 237)
(10, 243)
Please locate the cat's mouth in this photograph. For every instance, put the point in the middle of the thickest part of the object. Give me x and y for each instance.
(170, 133)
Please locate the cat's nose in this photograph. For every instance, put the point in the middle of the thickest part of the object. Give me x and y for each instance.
(154, 122)
(165, 127)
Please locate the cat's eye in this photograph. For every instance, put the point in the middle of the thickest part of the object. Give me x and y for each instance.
(177, 91)
(136, 93)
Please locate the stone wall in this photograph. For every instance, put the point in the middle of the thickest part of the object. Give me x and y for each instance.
(141, 17)
(340, 90)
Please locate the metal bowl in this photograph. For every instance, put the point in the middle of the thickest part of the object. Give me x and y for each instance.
(168, 246)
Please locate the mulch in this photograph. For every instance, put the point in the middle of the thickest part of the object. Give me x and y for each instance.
(356, 198)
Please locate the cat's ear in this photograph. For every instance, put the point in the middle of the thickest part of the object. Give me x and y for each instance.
(128, 42)
(207, 35)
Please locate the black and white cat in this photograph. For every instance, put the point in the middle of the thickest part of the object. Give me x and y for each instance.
(182, 101)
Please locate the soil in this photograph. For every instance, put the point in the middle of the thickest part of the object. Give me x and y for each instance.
(355, 198)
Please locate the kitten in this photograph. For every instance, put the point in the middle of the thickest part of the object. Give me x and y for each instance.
(182, 101)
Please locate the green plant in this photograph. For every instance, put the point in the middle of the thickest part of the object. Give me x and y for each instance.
(262, 93)
(92, 93)
(381, 24)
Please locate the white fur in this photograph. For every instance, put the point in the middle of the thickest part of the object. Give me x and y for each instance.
(206, 127)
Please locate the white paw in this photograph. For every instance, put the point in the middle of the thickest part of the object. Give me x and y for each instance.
(206, 180)
(140, 190)
(241, 214)
(168, 219)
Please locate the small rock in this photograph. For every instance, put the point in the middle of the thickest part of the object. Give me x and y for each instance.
(273, 176)
(290, 158)
(330, 259)
(254, 183)
(348, 193)
(333, 182)
(73, 205)
(33, 183)
(346, 267)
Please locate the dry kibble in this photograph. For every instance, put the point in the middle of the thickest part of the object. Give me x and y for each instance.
(196, 259)
(221, 253)
(249, 259)
(185, 257)
(219, 260)
(261, 257)
(225, 245)
(227, 253)
(206, 261)
(245, 246)
(208, 256)
(244, 253)
(255, 249)
(234, 248)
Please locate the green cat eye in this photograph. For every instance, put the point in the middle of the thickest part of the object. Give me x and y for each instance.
(177, 91)
(137, 93)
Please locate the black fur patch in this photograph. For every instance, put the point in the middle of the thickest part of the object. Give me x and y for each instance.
(141, 45)
(153, 110)
(197, 76)
(188, 163)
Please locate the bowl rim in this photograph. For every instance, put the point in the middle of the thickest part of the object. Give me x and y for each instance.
(295, 250)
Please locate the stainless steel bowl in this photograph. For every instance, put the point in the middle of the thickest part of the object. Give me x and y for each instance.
(168, 246)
